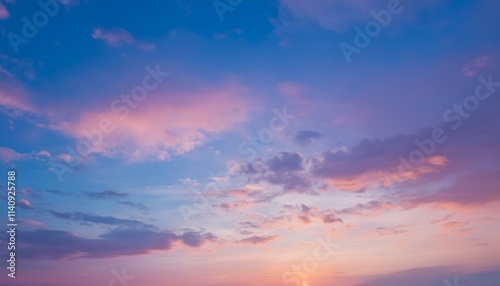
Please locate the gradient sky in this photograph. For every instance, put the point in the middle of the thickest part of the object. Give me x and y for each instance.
(237, 142)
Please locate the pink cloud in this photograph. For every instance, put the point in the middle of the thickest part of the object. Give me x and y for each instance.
(24, 203)
(295, 92)
(4, 13)
(389, 177)
(453, 224)
(114, 36)
(33, 223)
(371, 208)
(259, 239)
(330, 218)
(12, 100)
(118, 37)
(44, 153)
(160, 127)
(65, 157)
(305, 215)
(290, 88)
(395, 230)
(467, 190)
(8, 155)
(470, 68)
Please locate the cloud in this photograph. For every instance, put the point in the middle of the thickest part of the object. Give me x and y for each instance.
(303, 213)
(295, 92)
(44, 153)
(106, 195)
(248, 224)
(24, 203)
(33, 223)
(196, 238)
(8, 155)
(244, 193)
(379, 164)
(69, 3)
(395, 230)
(306, 214)
(231, 206)
(372, 163)
(290, 89)
(258, 239)
(104, 220)
(336, 15)
(118, 37)
(146, 46)
(14, 101)
(292, 217)
(370, 208)
(467, 190)
(453, 224)
(306, 137)
(62, 245)
(138, 206)
(470, 68)
(4, 13)
(113, 36)
(12, 66)
(331, 218)
(102, 195)
(285, 169)
(28, 192)
(61, 193)
(171, 122)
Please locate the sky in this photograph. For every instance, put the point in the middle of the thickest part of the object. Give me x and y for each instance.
(266, 142)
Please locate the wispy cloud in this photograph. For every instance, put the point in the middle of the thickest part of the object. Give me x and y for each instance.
(87, 218)
(471, 68)
(106, 195)
(8, 155)
(164, 125)
(4, 13)
(118, 37)
(114, 36)
(258, 239)
(307, 137)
